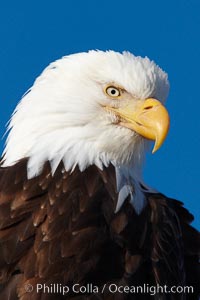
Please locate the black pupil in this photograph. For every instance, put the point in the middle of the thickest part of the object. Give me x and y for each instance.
(113, 92)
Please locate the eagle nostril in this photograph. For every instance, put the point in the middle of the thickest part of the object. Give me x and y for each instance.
(148, 107)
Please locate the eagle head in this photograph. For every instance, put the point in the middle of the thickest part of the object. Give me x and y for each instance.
(90, 108)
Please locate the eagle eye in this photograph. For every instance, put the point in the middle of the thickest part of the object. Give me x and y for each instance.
(112, 91)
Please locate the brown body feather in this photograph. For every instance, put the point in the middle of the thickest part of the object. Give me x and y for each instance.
(63, 229)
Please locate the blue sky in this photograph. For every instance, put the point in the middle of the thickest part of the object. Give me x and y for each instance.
(34, 33)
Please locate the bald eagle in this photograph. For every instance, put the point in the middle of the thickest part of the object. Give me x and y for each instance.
(76, 219)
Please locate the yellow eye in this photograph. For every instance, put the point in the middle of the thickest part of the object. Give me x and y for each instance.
(113, 91)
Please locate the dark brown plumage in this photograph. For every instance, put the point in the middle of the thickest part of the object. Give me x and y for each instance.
(63, 229)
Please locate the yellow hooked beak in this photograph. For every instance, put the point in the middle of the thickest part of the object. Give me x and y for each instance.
(149, 118)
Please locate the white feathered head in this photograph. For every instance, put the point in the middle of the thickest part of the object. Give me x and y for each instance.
(90, 108)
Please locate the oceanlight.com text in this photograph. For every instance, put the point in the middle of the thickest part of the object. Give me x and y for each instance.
(108, 288)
